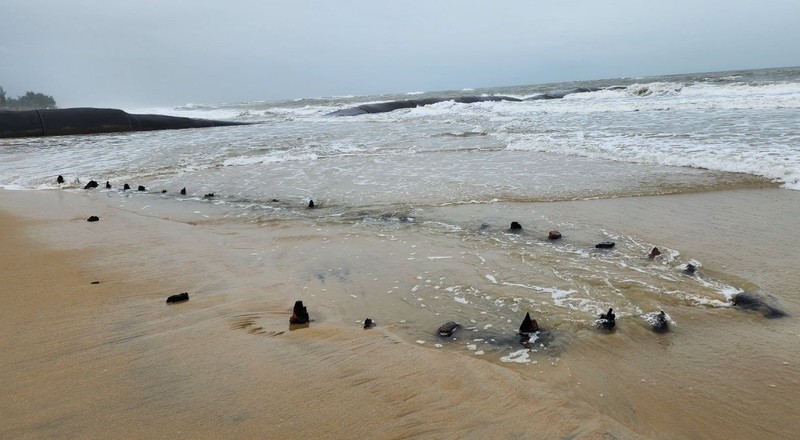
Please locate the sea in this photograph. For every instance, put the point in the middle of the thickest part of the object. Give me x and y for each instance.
(412, 213)
(418, 168)
(663, 129)
(434, 169)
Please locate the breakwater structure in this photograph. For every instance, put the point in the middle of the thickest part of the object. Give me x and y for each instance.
(90, 120)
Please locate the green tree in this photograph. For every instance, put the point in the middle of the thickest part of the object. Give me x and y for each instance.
(28, 101)
(33, 100)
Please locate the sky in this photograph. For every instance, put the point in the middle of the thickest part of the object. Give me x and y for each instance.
(173, 52)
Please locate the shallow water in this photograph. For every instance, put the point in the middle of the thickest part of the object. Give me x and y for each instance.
(410, 276)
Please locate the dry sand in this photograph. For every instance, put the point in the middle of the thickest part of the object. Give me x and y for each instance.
(112, 360)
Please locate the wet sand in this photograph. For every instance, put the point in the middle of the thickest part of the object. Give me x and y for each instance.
(86, 360)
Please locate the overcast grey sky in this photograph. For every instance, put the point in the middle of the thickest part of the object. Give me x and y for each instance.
(172, 52)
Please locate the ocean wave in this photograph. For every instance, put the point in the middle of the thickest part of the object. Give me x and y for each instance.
(781, 165)
(656, 88)
(269, 158)
(733, 122)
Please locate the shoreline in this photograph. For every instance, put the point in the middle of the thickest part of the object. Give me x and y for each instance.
(112, 360)
(225, 364)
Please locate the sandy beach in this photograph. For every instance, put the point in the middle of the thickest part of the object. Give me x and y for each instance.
(112, 360)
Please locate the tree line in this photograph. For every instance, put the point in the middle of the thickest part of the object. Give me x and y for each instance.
(28, 101)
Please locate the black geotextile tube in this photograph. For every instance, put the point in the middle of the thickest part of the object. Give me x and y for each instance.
(88, 120)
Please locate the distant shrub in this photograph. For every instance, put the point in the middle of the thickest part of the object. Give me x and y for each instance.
(28, 101)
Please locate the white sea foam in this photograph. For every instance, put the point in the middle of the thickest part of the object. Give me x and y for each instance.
(777, 160)
(667, 130)
(12, 187)
(729, 292)
(518, 357)
(656, 88)
(270, 158)
(652, 318)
